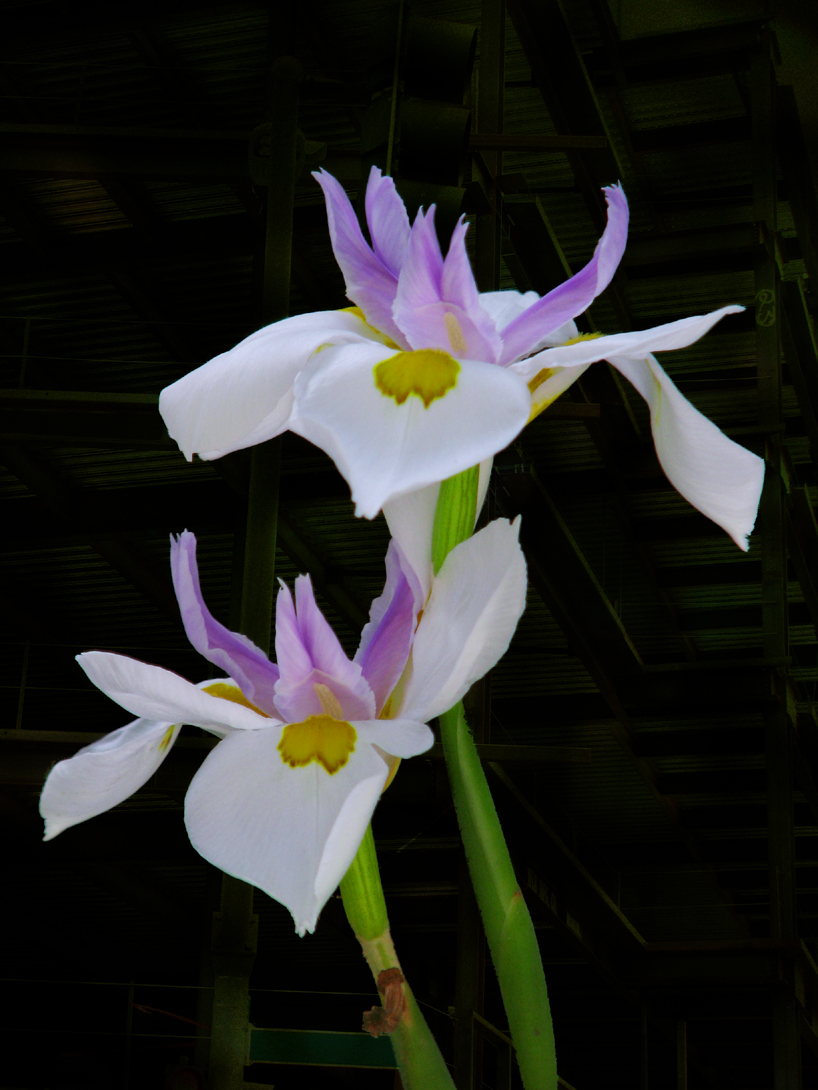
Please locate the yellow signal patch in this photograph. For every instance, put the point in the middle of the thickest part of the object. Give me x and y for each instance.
(319, 738)
(427, 373)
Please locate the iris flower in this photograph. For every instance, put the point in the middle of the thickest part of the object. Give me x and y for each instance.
(425, 377)
(308, 743)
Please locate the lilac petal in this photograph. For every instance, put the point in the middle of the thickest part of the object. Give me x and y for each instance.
(306, 647)
(292, 657)
(437, 305)
(239, 657)
(387, 639)
(524, 333)
(369, 283)
(297, 700)
(387, 220)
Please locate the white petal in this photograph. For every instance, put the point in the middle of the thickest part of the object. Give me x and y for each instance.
(244, 396)
(290, 832)
(411, 519)
(504, 306)
(155, 693)
(719, 477)
(469, 622)
(398, 737)
(634, 345)
(384, 449)
(104, 773)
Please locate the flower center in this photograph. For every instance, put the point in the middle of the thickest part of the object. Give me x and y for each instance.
(319, 738)
(427, 373)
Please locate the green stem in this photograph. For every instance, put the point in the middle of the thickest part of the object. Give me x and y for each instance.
(509, 931)
(422, 1067)
(510, 934)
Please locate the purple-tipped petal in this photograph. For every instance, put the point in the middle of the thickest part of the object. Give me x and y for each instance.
(239, 657)
(524, 333)
(437, 305)
(387, 221)
(387, 639)
(309, 653)
(369, 283)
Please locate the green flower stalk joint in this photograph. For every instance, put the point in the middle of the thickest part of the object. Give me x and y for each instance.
(421, 1064)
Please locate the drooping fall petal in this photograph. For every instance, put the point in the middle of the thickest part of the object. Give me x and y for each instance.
(244, 396)
(154, 693)
(291, 832)
(387, 440)
(718, 477)
(635, 344)
(104, 773)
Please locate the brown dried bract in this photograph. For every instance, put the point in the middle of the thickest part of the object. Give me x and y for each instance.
(387, 1018)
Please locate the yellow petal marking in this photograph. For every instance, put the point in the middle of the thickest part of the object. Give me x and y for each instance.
(547, 372)
(454, 332)
(427, 373)
(319, 738)
(167, 738)
(541, 377)
(224, 691)
(381, 336)
(581, 337)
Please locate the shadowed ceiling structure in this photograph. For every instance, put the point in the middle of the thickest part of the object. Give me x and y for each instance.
(651, 736)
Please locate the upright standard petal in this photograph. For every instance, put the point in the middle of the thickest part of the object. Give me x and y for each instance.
(230, 651)
(437, 305)
(155, 693)
(387, 221)
(387, 639)
(421, 418)
(244, 396)
(370, 283)
(104, 773)
(309, 654)
(468, 623)
(525, 332)
(253, 816)
(718, 477)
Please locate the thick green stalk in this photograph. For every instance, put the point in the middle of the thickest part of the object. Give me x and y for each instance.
(421, 1065)
(510, 934)
(509, 931)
